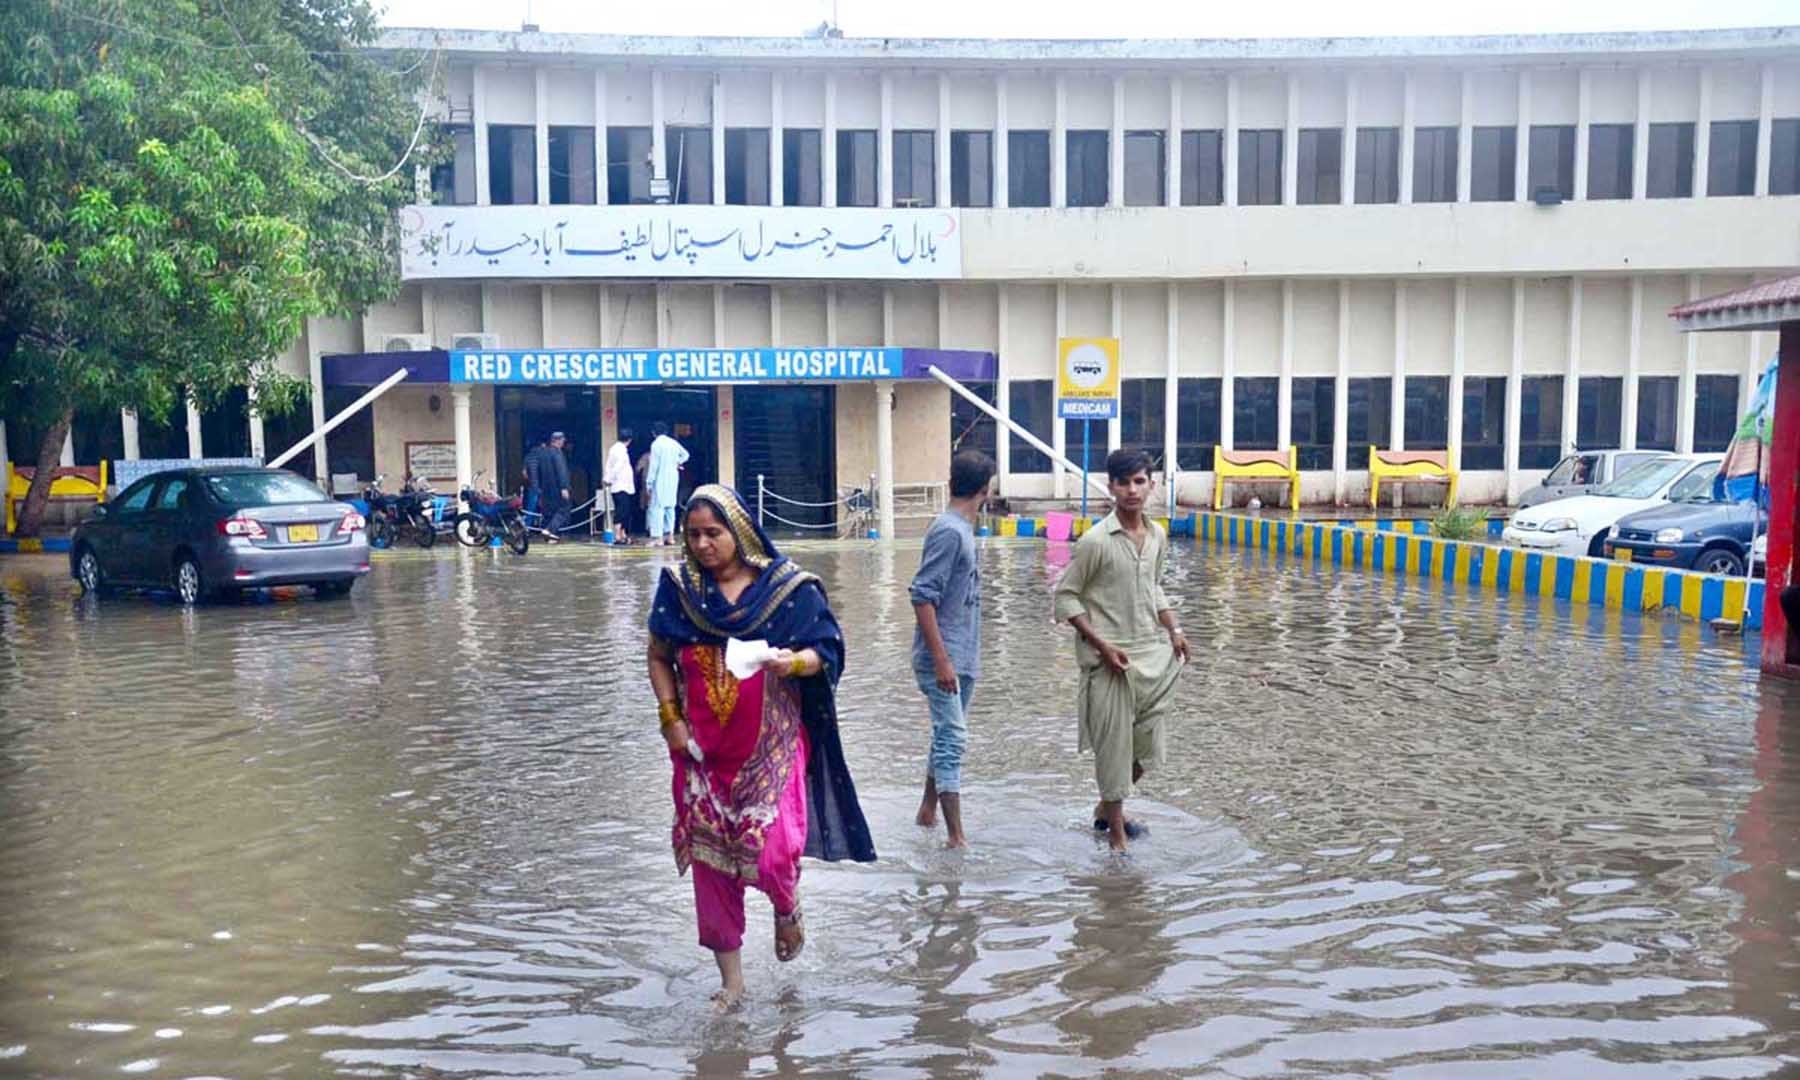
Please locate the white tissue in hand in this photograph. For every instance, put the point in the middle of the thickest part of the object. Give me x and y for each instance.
(745, 658)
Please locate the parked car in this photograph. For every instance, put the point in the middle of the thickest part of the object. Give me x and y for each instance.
(210, 532)
(1580, 525)
(1693, 532)
(1583, 471)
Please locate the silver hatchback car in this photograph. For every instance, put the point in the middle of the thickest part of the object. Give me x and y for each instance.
(211, 532)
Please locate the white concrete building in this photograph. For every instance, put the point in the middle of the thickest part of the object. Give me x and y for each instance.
(1423, 243)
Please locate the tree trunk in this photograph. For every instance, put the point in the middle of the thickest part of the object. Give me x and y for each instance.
(49, 456)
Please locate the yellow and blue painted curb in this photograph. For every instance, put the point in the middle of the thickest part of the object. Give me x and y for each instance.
(33, 546)
(1409, 551)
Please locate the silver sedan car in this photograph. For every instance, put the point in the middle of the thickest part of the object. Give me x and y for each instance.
(211, 532)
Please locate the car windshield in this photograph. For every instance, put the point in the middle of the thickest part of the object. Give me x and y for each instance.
(263, 489)
(1644, 481)
(1695, 487)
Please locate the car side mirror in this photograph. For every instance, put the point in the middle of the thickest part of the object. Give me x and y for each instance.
(98, 512)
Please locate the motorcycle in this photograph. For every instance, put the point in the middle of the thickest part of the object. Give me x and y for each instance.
(489, 515)
(406, 512)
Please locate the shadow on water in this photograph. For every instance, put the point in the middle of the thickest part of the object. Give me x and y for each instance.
(1406, 830)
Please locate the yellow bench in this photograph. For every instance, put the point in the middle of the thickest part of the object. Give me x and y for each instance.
(66, 482)
(1401, 466)
(1250, 466)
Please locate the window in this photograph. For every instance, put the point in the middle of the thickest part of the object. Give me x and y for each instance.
(1028, 168)
(1259, 168)
(262, 489)
(1370, 414)
(1377, 165)
(1784, 157)
(1609, 161)
(915, 168)
(970, 428)
(747, 166)
(1493, 165)
(225, 425)
(1144, 168)
(1321, 166)
(1574, 469)
(572, 166)
(453, 181)
(802, 167)
(1202, 173)
(1196, 423)
(1096, 443)
(136, 498)
(1715, 412)
(627, 165)
(687, 153)
(971, 168)
(1540, 421)
(1657, 395)
(1029, 405)
(1484, 423)
(512, 164)
(1428, 411)
(1551, 169)
(1087, 168)
(174, 489)
(1732, 167)
(1671, 161)
(1314, 420)
(1598, 408)
(1253, 416)
(1141, 411)
(858, 168)
(1434, 164)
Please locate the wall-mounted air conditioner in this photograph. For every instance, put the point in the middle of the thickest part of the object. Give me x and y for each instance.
(474, 342)
(405, 343)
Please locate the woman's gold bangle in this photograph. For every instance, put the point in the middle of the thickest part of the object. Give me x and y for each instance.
(797, 667)
(668, 714)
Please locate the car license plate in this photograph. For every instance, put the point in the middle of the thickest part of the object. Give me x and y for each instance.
(303, 534)
(1623, 554)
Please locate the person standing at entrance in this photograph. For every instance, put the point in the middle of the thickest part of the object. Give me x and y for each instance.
(549, 474)
(664, 480)
(1128, 643)
(946, 598)
(621, 479)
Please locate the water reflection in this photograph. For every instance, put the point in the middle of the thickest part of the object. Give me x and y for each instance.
(1405, 830)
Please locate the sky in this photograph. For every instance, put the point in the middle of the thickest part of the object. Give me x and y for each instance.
(1108, 19)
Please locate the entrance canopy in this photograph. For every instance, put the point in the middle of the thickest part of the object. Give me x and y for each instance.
(637, 367)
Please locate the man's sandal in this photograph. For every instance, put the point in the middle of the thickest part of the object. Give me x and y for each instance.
(784, 951)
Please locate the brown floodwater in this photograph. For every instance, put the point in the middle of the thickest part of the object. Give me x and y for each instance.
(1406, 830)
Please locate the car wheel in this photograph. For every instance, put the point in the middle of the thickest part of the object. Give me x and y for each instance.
(190, 587)
(1597, 546)
(1720, 561)
(88, 572)
(471, 531)
(330, 590)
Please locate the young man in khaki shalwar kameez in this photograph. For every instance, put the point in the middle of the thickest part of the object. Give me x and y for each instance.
(1127, 641)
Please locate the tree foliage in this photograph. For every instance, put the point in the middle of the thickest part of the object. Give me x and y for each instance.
(183, 183)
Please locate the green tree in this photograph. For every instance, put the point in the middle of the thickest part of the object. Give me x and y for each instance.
(183, 183)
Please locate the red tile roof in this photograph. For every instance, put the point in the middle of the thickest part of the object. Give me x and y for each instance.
(1762, 294)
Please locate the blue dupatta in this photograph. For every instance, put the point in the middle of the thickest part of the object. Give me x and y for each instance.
(786, 607)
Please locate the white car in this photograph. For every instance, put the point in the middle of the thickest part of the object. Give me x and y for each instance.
(1579, 525)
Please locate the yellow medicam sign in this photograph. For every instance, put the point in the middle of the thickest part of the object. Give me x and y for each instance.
(1087, 378)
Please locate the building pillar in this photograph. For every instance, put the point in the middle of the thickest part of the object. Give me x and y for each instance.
(128, 427)
(1059, 157)
(943, 147)
(1115, 428)
(1690, 368)
(601, 175)
(1571, 400)
(258, 446)
(1229, 151)
(5, 474)
(1753, 369)
(1290, 143)
(1584, 108)
(777, 138)
(1514, 386)
(1458, 369)
(1522, 141)
(1640, 139)
(1628, 400)
(1284, 383)
(1002, 152)
(1465, 141)
(465, 447)
(1115, 146)
(1397, 396)
(541, 120)
(1172, 390)
(1172, 164)
(884, 145)
(1347, 179)
(67, 457)
(659, 134)
(884, 457)
(1002, 387)
(1227, 363)
(1765, 128)
(727, 436)
(1058, 442)
(1703, 135)
(316, 375)
(828, 192)
(478, 120)
(1408, 109)
(1340, 391)
(196, 445)
(717, 132)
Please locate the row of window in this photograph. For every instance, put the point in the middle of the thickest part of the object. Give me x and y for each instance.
(1599, 412)
(689, 165)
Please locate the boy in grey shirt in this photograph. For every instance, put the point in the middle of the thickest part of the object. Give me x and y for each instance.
(946, 597)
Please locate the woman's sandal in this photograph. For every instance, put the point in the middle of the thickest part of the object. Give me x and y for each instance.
(784, 950)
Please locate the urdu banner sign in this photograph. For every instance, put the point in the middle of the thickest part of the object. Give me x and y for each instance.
(679, 241)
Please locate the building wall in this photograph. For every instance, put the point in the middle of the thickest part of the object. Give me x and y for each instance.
(404, 415)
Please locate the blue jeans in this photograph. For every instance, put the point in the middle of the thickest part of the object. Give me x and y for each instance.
(949, 729)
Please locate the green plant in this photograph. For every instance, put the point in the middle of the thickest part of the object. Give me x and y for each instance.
(1459, 523)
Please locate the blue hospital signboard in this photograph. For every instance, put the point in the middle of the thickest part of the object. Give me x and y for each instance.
(606, 366)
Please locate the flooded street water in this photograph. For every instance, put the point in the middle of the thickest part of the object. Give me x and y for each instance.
(1405, 831)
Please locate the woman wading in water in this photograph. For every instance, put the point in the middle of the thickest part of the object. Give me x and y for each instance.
(760, 777)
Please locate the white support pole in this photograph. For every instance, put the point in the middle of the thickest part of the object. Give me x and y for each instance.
(1057, 434)
(1397, 392)
(1571, 400)
(1514, 388)
(884, 147)
(67, 457)
(884, 457)
(5, 467)
(1408, 111)
(777, 139)
(943, 145)
(1640, 139)
(1522, 141)
(659, 133)
(1753, 369)
(258, 447)
(128, 426)
(1284, 383)
(601, 174)
(828, 192)
(1059, 146)
(1171, 392)
(196, 444)
(1002, 149)
(1690, 370)
(1056, 457)
(465, 449)
(1115, 146)
(478, 120)
(350, 410)
(717, 119)
(1003, 387)
(1290, 148)
(1115, 428)
(1340, 411)
(1172, 161)
(1465, 141)
(1459, 320)
(1765, 129)
(541, 123)
(1228, 153)
(1628, 405)
(1347, 179)
(1584, 108)
(1227, 364)
(1703, 135)
(316, 373)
